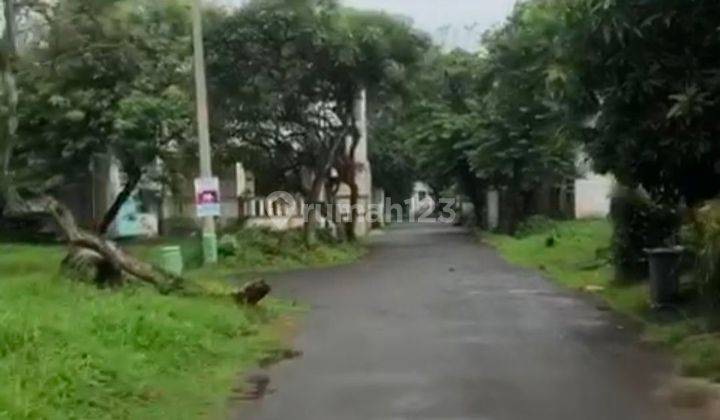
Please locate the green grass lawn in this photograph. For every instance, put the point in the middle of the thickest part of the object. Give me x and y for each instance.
(578, 260)
(69, 350)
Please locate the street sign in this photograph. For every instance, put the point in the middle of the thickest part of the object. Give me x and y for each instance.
(207, 197)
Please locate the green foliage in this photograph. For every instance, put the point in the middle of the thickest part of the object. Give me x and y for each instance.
(644, 75)
(160, 116)
(496, 118)
(704, 240)
(441, 118)
(632, 81)
(70, 351)
(534, 225)
(430, 129)
(386, 52)
(228, 246)
(272, 78)
(109, 77)
(700, 356)
(639, 224)
(393, 164)
(284, 77)
(521, 139)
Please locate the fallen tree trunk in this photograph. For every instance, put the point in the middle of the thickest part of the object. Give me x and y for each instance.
(110, 262)
(164, 281)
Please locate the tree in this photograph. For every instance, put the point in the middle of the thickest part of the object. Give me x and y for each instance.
(270, 76)
(284, 84)
(385, 53)
(107, 77)
(19, 32)
(8, 58)
(522, 142)
(111, 82)
(646, 77)
(440, 118)
(393, 165)
(152, 129)
(498, 118)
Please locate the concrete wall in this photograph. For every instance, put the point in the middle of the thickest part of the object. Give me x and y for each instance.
(493, 210)
(378, 203)
(276, 223)
(592, 196)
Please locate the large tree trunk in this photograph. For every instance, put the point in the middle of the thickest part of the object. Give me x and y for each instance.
(311, 223)
(347, 171)
(510, 210)
(165, 282)
(354, 213)
(475, 190)
(7, 62)
(539, 200)
(347, 165)
(322, 171)
(479, 201)
(332, 211)
(134, 176)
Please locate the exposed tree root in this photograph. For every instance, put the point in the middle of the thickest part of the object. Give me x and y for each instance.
(252, 293)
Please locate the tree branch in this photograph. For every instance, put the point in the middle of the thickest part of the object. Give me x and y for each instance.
(134, 176)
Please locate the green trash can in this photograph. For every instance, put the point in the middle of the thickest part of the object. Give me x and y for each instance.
(170, 259)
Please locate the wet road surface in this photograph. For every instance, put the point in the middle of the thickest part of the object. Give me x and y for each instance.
(433, 325)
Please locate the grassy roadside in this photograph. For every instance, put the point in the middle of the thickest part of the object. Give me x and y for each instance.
(577, 261)
(255, 252)
(69, 350)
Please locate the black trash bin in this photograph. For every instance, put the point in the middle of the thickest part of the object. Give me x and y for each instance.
(665, 265)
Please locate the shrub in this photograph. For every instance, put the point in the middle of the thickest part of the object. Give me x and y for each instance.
(702, 236)
(535, 225)
(638, 224)
(228, 246)
(262, 248)
(180, 226)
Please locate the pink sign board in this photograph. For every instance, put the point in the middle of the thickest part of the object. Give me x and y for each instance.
(207, 197)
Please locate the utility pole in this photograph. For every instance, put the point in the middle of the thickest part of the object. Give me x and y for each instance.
(209, 237)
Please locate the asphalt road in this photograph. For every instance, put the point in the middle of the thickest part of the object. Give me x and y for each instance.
(433, 325)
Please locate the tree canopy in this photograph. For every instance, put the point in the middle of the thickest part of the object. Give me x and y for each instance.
(646, 74)
(110, 79)
(631, 84)
(285, 78)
